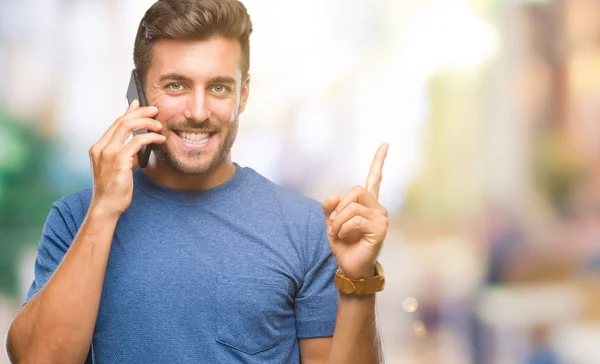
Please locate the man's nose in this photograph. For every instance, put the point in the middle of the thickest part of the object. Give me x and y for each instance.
(197, 108)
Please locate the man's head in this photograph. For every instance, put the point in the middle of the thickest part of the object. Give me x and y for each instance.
(194, 57)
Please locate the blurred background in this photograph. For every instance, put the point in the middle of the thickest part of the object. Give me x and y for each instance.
(491, 109)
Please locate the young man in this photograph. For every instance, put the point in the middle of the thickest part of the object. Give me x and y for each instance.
(195, 259)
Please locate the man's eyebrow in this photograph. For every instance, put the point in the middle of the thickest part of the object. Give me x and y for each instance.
(175, 77)
(181, 78)
(223, 79)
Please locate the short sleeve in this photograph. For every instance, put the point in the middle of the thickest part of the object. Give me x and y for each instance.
(316, 301)
(57, 235)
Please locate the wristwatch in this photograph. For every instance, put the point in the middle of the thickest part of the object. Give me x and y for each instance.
(361, 286)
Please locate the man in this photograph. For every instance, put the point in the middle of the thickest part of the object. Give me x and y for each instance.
(195, 259)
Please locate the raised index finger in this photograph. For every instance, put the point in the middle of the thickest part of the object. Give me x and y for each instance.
(374, 177)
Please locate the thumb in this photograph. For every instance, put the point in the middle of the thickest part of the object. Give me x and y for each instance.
(330, 204)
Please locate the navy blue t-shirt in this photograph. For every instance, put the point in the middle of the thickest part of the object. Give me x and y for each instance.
(234, 274)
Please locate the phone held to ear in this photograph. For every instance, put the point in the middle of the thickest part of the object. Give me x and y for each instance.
(136, 92)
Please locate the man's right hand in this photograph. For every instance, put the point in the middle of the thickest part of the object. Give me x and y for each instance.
(113, 161)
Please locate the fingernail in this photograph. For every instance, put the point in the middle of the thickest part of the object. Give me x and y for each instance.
(153, 108)
(330, 231)
(133, 104)
(332, 216)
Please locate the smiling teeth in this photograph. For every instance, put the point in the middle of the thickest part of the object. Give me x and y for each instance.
(195, 138)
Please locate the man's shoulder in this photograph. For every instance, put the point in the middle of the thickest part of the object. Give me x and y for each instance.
(75, 203)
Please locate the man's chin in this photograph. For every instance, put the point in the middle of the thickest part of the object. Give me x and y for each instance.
(196, 170)
(192, 167)
(195, 165)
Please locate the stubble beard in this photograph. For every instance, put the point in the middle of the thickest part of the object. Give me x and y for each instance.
(195, 161)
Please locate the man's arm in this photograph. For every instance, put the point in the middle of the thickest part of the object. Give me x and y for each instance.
(56, 326)
(356, 227)
(314, 350)
(355, 339)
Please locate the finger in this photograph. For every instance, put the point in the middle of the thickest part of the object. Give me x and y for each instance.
(329, 205)
(359, 195)
(356, 225)
(136, 162)
(103, 141)
(140, 140)
(352, 210)
(375, 172)
(140, 112)
(134, 105)
(129, 113)
(127, 127)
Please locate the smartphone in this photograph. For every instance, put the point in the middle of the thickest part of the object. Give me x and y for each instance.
(136, 92)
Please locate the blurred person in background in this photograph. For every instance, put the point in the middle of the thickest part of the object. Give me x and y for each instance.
(541, 351)
(195, 258)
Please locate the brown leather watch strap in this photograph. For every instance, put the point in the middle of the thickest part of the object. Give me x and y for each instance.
(361, 286)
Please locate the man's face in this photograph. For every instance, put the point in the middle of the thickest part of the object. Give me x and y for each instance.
(198, 89)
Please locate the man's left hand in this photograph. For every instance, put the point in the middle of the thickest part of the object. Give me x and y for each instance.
(357, 223)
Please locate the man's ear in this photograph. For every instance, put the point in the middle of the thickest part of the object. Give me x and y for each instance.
(244, 94)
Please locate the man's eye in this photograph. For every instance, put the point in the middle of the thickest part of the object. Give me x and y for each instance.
(220, 89)
(176, 86)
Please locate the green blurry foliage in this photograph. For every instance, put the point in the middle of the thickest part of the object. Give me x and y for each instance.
(25, 194)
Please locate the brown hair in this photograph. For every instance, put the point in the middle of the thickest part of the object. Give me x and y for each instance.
(192, 20)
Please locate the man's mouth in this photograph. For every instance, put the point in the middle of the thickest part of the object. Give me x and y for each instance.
(196, 138)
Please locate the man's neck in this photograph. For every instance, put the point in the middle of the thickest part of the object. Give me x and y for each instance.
(165, 176)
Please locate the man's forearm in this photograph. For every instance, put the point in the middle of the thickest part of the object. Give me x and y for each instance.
(58, 323)
(355, 339)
